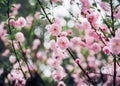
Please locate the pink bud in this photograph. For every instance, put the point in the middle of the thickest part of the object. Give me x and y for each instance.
(77, 61)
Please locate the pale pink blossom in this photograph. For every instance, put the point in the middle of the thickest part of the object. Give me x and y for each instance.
(115, 45)
(40, 56)
(91, 62)
(105, 6)
(93, 17)
(63, 43)
(89, 40)
(12, 59)
(20, 37)
(55, 29)
(12, 22)
(29, 19)
(64, 34)
(75, 41)
(53, 45)
(96, 47)
(36, 43)
(21, 22)
(83, 26)
(37, 15)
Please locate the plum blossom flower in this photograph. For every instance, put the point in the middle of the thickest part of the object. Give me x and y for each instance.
(96, 47)
(21, 22)
(63, 43)
(12, 59)
(55, 29)
(105, 6)
(115, 45)
(20, 37)
(12, 22)
(36, 43)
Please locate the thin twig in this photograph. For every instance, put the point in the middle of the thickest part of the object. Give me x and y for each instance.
(40, 3)
(24, 58)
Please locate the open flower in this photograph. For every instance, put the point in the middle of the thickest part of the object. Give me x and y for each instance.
(55, 29)
(63, 43)
(115, 45)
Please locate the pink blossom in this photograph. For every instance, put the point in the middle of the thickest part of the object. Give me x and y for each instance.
(12, 22)
(29, 19)
(12, 59)
(115, 45)
(117, 13)
(96, 47)
(63, 43)
(21, 22)
(83, 26)
(58, 74)
(92, 18)
(53, 45)
(105, 6)
(85, 5)
(64, 34)
(20, 37)
(37, 15)
(36, 42)
(91, 61)
(106, 50)
(55, 29)
(57, 21)
(75, 41)
(89, 40)
(40, 56)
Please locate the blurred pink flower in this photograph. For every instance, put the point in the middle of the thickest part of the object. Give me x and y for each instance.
(12, 59)
(20, 37)
(96, 47)
(21, 22)
(105, 6)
